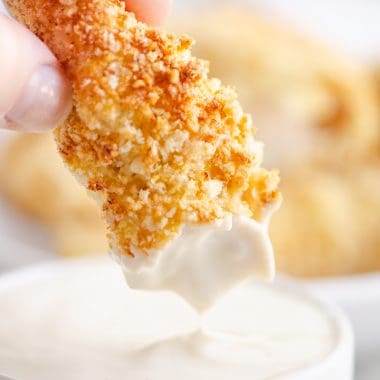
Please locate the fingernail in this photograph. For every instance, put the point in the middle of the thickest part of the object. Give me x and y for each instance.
(44, 102)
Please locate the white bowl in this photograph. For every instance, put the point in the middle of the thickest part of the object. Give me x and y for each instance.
(359, 296)
(336, 365)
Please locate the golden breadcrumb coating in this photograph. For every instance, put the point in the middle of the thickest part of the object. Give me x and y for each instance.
(159, 142)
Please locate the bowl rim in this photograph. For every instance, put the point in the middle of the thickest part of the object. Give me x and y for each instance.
(344, 339)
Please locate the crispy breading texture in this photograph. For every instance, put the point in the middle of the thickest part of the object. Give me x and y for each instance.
(159, 142)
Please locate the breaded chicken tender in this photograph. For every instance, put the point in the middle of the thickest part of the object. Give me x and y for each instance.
(158, 142)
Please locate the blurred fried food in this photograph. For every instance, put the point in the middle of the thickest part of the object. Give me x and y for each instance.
(305, 98)
(329, 222)
(376, 74)
(318, 114)
(34, 179)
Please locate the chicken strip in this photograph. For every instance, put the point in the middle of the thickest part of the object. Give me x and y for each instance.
(166, 150)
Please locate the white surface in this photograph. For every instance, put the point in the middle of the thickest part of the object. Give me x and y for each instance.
(351, 26)
(84, 323)
(14, 254)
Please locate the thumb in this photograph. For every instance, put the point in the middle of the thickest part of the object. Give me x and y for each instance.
(34, 95)
(153, 12)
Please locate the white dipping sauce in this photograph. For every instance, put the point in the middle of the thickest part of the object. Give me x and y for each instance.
(78, 320)
(206, 261)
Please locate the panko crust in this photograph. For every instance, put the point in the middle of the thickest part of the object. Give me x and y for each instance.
(159, 142)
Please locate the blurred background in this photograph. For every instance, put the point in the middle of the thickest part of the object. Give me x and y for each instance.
(309, 73)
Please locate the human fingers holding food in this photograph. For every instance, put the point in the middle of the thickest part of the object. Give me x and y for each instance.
(34, 94)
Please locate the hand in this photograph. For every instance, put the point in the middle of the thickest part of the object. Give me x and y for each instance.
(34, 94)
